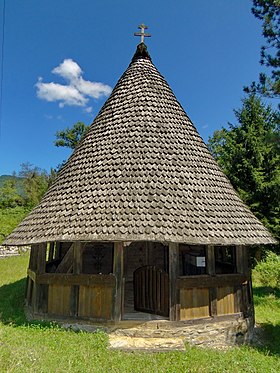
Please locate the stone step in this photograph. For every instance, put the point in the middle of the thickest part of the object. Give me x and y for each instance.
(148, 333)
(146, 344)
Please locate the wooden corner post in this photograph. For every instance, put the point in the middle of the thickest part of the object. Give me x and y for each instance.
(118, 272)
(40, 290)
(173, 275)
(210, 269)
(77, 269)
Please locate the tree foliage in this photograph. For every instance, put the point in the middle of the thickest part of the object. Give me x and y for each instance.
(268, 11)
(70, 137)
(249, 154)
(9, 196)
(35, 183)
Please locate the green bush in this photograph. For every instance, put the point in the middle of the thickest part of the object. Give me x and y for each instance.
(267, 272)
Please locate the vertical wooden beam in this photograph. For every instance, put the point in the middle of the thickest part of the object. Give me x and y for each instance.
(118, 272)
(210, 260)
(239, 254)
(78, 254)
(34, 257)
(173, 275)
(41, 259)
(40, 290)
(77, 269)
(210, 269)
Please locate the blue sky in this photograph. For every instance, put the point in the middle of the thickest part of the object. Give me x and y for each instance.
(55, 51)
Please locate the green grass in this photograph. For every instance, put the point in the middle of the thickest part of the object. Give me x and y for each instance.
(10, 218)
(35, 347)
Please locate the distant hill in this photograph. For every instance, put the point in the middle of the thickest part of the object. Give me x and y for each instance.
(18, 180)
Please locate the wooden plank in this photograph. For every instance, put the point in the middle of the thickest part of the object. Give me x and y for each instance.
(225, 300)
(95, 302)
(194, 303)
(40, 298)
(34, 257)
(210, 260)
(159, 294)
(59, 300)
(173, 275)
(73, 279)
(66, 264)
(247, 264)
(210, 270)
(77, 257)
(77, 269)
(29, 289)
(41, 259)
(74, 297)
(240, 265)
(118, 272)
(213, 301)
(238, 299)
(206, 281)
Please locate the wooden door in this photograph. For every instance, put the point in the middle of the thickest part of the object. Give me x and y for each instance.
(151, 291)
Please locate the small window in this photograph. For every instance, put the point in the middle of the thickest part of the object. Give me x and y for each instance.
(192, 260)
(225, 259)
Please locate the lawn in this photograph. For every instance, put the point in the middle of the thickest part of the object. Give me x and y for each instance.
(35, 347)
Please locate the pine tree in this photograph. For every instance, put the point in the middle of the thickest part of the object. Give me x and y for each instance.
(249, 154)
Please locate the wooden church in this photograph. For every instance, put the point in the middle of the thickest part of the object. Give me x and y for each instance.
(141, 222)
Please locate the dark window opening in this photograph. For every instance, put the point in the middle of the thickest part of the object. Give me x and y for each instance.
(59, 257)
(98, 258)
(225, 259)
(192, 260)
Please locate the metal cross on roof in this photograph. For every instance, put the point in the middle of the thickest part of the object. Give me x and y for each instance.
(142, 27)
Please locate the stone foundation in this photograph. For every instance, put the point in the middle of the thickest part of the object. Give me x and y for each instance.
(214, 334)
(6, 251)
(163, 335)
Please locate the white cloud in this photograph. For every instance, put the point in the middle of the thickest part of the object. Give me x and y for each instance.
(77, 92)
(88, 109)
(92, 89)
(68, 69)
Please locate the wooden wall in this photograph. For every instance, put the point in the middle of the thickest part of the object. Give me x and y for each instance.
(72, 289)
(204, 297)
(194, 303)
(85, 296)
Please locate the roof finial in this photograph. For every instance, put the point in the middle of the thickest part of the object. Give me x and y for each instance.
(142, 27)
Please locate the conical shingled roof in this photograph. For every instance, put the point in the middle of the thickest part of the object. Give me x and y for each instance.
(142, 173)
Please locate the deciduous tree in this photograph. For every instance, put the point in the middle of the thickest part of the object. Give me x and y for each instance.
(70, 137)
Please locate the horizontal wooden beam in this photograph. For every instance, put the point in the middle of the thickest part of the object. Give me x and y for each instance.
(211, 281)
(72, 279)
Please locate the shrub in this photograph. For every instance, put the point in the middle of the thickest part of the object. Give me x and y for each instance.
(267, 272)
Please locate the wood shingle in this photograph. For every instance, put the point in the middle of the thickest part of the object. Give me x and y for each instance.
(142, 173)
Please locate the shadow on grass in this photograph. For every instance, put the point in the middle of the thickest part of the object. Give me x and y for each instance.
(12, 305)
(265, 291)
(268, 339)
(268, 333)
